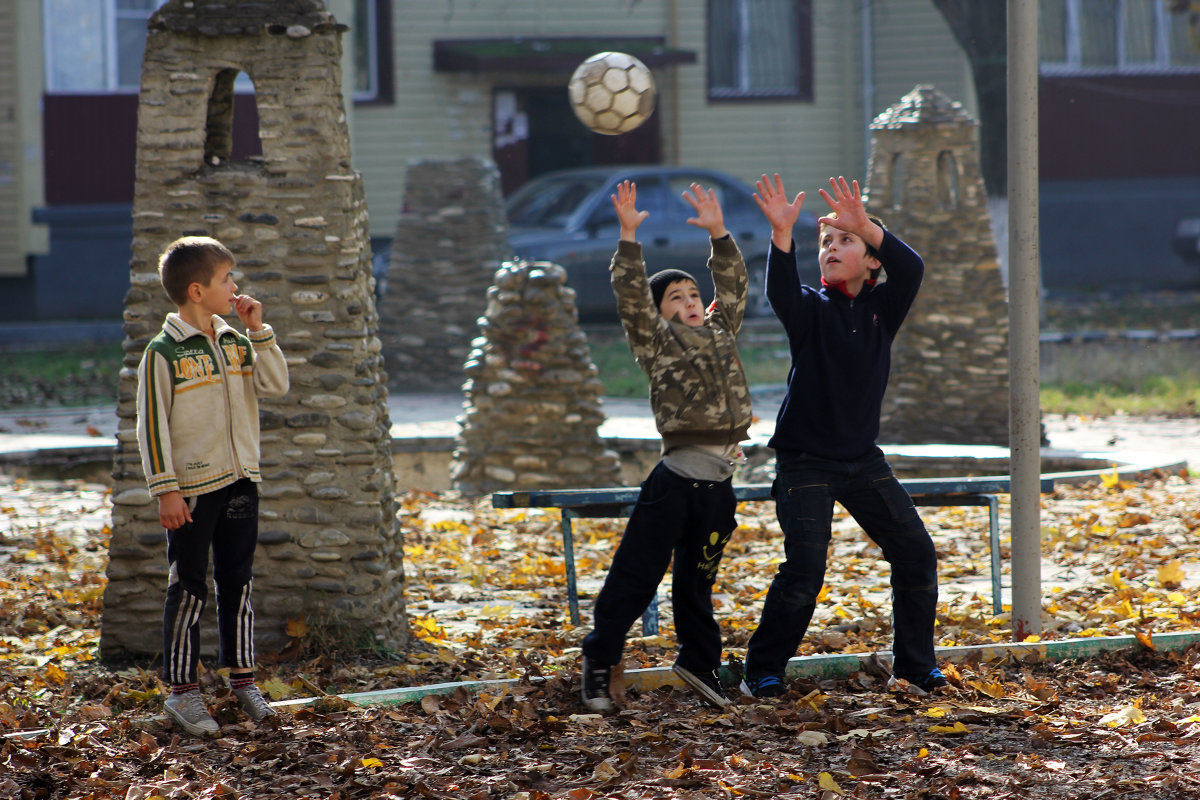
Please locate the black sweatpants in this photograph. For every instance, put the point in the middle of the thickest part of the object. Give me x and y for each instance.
(674, 516)
(225, 521)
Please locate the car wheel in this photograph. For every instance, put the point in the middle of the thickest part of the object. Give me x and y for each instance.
(757, 306)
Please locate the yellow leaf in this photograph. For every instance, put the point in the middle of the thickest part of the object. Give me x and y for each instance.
(372, 763)
(296, 628)
(276, 689)
(990, 689)
(956, 728)
(1129, 715)
(54, 674)
(826, 782)
(1115, 580)
(1032, 638)
(1110, 480)
(936, 711)
(922, 753)
(1145, 639)
(678, 772)
(1171, 574)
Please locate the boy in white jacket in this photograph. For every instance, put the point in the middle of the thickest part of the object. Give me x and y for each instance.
(197, 402)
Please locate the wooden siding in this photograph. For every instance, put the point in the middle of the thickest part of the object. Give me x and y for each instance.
(12, 240)
(914, 45)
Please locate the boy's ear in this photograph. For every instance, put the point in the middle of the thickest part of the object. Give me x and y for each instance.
(194, 291)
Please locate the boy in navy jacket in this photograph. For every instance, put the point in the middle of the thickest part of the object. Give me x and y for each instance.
(840, 338)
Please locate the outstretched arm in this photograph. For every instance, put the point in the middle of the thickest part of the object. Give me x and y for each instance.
(851, 217)
(779, 212)
(708, 211)
(625, 203)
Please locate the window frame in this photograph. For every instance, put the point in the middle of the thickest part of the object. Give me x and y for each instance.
(380, 61)
(803, 91)
(1161, 64)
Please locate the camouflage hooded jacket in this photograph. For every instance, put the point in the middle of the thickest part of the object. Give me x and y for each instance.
(698, 388)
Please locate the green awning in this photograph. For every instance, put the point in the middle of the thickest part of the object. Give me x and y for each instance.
(548, 53)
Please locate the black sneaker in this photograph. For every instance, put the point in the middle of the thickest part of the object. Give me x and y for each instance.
(594, 686)
(920, 685)
(769, 686)
(704, 684)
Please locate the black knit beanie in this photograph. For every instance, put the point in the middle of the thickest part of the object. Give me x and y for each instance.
(659, 282)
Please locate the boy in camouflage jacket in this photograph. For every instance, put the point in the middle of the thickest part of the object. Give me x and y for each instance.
(701, 404)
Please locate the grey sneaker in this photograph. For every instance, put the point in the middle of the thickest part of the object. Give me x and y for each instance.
(705, 685)
(253, 703)
(594, 686)
(189, 712)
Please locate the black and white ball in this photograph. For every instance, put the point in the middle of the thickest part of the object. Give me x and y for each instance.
(612, 93)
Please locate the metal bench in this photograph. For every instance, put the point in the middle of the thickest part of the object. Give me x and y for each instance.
(619, 501)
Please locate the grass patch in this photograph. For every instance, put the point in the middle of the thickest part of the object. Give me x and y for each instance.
(61, 376)
(1088, 378)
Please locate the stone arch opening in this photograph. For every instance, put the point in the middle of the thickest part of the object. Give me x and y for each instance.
(231, 122)
(947, 180)
(896, 180)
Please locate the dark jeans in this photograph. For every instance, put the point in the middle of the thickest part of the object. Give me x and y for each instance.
(227, 522)
(805, 490)
(691, 520)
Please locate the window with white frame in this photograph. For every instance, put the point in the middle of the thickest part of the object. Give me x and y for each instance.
(96, 46)
(1115, 36)
(759, 49)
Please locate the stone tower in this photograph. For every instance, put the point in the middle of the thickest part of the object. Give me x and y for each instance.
(949, 378)
(296, 220)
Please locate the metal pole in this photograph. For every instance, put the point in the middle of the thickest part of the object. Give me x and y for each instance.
(1024, 411)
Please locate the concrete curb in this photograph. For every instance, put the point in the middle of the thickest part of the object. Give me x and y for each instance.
(819, 667)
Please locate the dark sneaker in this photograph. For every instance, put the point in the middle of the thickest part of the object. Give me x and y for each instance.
(189, 712)
(594, 686)
(770, 686)
(704, 684)
(919, 685)
(253, 703)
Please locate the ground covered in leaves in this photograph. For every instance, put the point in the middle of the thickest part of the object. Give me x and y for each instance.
(486, 600)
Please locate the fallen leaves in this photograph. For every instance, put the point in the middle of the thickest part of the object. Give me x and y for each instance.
(486, 600)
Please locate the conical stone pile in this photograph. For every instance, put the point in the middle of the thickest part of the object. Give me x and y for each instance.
(532, 407)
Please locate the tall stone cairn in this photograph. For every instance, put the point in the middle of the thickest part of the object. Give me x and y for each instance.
(949, 380)
(532, 408)
(450, 239)
(296, 221)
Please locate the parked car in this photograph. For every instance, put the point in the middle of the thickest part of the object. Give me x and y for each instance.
(1187, 239)
(567, 217)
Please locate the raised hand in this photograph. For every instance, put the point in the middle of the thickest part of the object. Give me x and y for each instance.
(708, 210)
(851, 216)
(625, 203)
(846, 202)
(780, 213)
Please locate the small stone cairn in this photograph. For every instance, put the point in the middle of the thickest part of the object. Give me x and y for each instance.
(532, 407)
(450, 239)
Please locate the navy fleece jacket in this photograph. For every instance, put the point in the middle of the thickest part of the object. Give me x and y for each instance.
(841, 352)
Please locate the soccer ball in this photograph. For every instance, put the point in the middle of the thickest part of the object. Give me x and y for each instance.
(612, 93)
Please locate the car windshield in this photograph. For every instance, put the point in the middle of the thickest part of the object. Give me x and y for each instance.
(549, 202)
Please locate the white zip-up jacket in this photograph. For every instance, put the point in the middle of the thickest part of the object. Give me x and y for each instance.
(197, 404)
